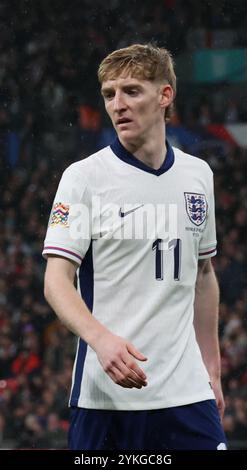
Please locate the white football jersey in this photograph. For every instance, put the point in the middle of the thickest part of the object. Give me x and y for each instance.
(137, 234)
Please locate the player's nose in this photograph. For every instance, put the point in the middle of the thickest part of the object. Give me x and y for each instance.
(119, 102)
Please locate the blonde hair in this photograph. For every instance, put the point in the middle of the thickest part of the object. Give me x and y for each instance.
(141, 61)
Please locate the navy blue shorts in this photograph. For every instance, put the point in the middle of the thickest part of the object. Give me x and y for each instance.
(190, 427)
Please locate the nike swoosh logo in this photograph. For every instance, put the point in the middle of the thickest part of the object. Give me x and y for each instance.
(123, 214)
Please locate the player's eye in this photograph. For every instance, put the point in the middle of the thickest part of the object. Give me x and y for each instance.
(132, 91)
(108, 95)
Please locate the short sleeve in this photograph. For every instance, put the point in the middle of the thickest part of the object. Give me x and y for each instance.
(208, 242)
(69, 227)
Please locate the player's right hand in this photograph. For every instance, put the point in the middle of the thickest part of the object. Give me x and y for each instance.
(117, 357)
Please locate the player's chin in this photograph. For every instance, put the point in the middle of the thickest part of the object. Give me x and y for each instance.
(126, 134)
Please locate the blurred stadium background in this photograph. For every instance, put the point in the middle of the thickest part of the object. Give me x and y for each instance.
(51, 114)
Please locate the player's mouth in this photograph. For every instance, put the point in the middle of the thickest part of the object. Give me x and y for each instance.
(123, 121)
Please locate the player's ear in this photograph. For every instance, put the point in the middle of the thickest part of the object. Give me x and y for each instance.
(166, 95)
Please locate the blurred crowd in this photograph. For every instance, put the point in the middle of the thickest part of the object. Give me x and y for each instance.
(50, 116)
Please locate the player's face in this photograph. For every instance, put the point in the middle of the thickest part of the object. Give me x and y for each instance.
(135, 106)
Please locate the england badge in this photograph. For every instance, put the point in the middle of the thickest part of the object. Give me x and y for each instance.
(196, 207)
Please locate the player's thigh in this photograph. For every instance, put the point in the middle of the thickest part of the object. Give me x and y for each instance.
(90, 429)
(196, 427)
(109, 430)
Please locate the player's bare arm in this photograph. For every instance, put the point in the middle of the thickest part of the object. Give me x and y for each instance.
(115, 354)
(206, 325)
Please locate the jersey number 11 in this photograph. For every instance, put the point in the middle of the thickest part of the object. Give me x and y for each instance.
(174, 244)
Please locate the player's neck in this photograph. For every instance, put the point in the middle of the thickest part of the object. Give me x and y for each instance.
(151, 151)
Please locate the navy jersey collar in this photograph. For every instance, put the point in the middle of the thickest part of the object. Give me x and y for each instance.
(121, 152)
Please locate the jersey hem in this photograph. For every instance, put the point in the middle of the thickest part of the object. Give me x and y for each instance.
(63, 252)
(207, 254)
(135, 406)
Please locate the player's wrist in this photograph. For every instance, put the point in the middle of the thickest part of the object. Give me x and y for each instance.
(96, 335)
